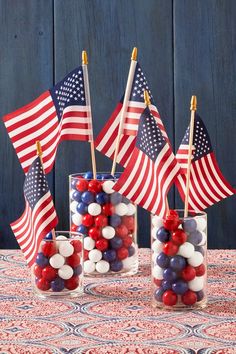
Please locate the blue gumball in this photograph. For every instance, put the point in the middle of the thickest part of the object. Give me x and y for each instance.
(189, 225)
(73, 183)
(163, 235)
(170, 275)
(87, 197)
(82, 229)
(125, 200)
(195, 237)
(131, 251)
(116, 242)
(109, 255)
(117, 175)
(115, 220)
(180, 287)
(116, 266)
(115, 198)
(48, 236)
(200, 295)
(99, 176)
(178, 263)
(41, 260)
(82, 208)
(78, 270)
(158, 293)
(162, 260)
(76, 195)
(57, 285)
(88, 175)
(102, 198)
(107, 176)
(166, 285)
(200, 249)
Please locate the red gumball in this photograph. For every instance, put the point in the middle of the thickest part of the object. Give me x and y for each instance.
(128, 221)
(72, 283)
(38, 271)
(101, 221)
(170, 248)
(169, 298)
(86, 252)
(189, 298)
(82, 185)
(179, 237)
(94, 186)
(49, 273)
(157, 282)
(122, 253)
(127, 241)
(77, 244)
(49, 248)
(102, 244)
(73, 228)
(121, 231)
(171, 222)
(108, 209)
(188, 273)
(87, 220)
(94, 233)
(73, 260)
(43, 284)
(200, 270)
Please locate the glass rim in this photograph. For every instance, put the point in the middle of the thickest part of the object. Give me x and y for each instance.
(199, 214)
(78, 175)
(72, 234)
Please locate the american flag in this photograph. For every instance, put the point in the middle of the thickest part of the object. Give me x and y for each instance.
(151, 169)
(207, 184)
(106, 140)
(39, 216)
(58, 114)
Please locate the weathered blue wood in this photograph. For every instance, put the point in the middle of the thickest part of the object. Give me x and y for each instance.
(26, 70)
(109, 30)
(205, 65)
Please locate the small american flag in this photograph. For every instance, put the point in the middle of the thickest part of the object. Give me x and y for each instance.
(39, 216)
(58, 114)
(106, 140)
(151, 169)
(207, 184)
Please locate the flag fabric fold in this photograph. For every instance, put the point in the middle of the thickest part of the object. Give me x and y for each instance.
(207, 183)
(39, 216)
(106, 140)
(151, 170)
(58, 114)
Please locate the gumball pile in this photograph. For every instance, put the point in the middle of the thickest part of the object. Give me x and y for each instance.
(108, 222)
(58, 264)
(178, 271)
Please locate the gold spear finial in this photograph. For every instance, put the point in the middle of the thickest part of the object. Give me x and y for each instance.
(39, 148)
(134, 54)
(193, 105)
(146, 98)
(84, 57)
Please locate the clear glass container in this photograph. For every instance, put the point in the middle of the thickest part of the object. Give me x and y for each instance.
(179, 260)
(109, 223)
(58, 268)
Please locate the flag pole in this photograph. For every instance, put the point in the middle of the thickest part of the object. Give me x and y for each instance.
(88, 103)
(125, 104)
(40, 155)
(193, 108)
(148, 103)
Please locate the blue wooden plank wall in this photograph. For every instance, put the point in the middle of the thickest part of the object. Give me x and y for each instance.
(185, 47)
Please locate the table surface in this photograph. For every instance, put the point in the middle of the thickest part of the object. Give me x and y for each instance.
(114, 315)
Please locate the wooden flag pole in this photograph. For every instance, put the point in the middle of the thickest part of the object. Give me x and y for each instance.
(148, 103)
(40, 154)
(193, 108)
(88, 103)
(125, 104)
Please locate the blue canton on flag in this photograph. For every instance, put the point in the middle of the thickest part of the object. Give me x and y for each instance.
(140, 85)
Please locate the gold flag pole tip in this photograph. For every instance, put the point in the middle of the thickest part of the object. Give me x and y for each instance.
(39, 148)
(193, 105)
(84, 57)
(134, 54)
(146, 98)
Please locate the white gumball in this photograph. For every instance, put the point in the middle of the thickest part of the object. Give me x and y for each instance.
(157, 246)
(107, 187)
(94, 209)
(201, 223)
(77, 219)
(89, 266)
(204, 239)
(73, 206)
(186, 250)
(66, 249)
(157, 221)
(157, 272)
(108, 232)
(65, 272)
(196, 284)
(102, 267)
(95, 255)
(57, 261)
(89, 243)
(154, 232)
(131, 209)
(59, 239)
(121, 209)
(196, 259)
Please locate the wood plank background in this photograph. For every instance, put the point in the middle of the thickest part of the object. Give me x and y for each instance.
(185, 47)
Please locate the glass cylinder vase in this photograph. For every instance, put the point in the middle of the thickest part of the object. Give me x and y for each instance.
(109, 222)
(179, 260)
(58, 268)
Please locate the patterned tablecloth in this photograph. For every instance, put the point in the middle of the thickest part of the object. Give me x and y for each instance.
(114, 315)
